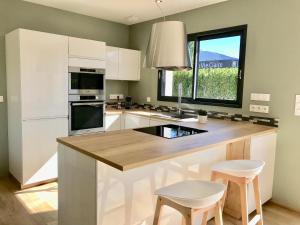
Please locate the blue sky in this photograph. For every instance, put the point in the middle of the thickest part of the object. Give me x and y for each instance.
(229, 46)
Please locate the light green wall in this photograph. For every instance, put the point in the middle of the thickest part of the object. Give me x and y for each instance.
(19, 14)
(272, 66)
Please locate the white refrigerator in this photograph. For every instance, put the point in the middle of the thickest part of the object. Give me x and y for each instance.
(37, 93)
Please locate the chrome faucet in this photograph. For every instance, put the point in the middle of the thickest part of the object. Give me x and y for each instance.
(179, 98)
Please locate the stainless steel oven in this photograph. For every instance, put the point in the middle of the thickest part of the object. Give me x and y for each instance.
(86, 81)
(86, 114)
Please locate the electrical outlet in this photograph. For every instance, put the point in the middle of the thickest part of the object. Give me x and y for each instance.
(297, 105)
(259, 108)
(115, 96)
(260, 97)
(1, 99)
(148, 99)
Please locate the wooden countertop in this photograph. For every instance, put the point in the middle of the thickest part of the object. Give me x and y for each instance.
(128, 149)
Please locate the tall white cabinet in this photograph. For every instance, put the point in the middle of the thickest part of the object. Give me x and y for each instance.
(37, 87)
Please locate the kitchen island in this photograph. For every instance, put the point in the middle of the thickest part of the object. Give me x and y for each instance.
(110, 178)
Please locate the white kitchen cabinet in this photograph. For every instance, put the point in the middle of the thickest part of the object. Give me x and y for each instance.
(263, 147)
(129, 64)
(86, 49)
(113, 122)
(37, 99)
(134, 121)
(112, 63)
(122, 64)
(158, 122)
(40, 148)
(44, 69)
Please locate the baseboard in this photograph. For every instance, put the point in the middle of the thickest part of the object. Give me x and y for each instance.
(14, 179)
(285, 207)
(26, 186)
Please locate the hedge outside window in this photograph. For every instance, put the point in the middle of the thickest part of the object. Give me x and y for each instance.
(218, 70)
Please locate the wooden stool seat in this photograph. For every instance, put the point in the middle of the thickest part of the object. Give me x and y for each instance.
(242, 172)
(191, 198)
(240, 168)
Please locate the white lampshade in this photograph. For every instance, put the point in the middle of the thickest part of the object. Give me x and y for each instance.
(167, 47)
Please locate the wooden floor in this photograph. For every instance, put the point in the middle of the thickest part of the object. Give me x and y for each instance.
(38, 206)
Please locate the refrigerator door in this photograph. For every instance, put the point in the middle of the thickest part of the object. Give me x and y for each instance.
(44, 75)
(40, 148)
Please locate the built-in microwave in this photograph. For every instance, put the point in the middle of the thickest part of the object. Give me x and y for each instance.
(86, 81)
(86, 114)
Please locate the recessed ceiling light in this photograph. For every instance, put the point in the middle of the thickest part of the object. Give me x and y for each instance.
(158, 1)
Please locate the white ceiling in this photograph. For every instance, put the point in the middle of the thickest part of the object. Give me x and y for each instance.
(125, 11)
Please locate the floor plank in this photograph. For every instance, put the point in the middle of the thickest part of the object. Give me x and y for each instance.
(38, 206)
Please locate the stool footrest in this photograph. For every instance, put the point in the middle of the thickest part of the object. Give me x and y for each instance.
(255, 220)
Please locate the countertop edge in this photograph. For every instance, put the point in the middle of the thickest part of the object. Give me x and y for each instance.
(162, 158)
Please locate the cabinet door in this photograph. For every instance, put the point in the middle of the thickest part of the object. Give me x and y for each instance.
(113, 122)
(88, 49)
(263, 148)
(129, 64)
(40, 148)
(112, 63)
(133, 121)
(156, 122)
(44, 74)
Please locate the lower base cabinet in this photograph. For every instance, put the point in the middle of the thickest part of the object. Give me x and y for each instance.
(122, 121)
(37, 151)
(158, 122)
(113, 122)
(134, 121)
(131, 121)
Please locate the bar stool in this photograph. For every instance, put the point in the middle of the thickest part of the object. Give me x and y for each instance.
(191, 198)
(242, 172)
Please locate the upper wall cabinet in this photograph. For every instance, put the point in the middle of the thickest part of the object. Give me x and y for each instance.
(112, 63)
(86, 49)
(122, 64)
(129, 64)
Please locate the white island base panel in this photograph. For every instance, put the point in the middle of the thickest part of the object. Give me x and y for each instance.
(94, 193)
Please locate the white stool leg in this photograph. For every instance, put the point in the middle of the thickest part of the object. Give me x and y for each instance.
(258, 199)
(244, 203)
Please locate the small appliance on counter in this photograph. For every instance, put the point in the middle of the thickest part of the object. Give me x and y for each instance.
(119, 103)
(128, 102)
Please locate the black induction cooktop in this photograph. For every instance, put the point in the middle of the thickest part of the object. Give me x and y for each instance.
(170, 131)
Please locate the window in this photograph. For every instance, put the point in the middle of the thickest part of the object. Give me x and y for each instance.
(218, 59)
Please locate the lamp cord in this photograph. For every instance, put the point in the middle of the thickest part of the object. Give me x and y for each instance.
(161, 11)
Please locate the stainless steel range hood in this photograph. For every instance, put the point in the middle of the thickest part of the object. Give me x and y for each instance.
(167, 47)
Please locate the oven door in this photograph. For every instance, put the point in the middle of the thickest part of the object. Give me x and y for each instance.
(86, 81)
(86, 117)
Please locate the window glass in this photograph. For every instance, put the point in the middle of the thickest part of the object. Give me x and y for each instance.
(218, 68)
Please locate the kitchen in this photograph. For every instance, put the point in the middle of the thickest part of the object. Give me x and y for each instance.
(37, 109)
